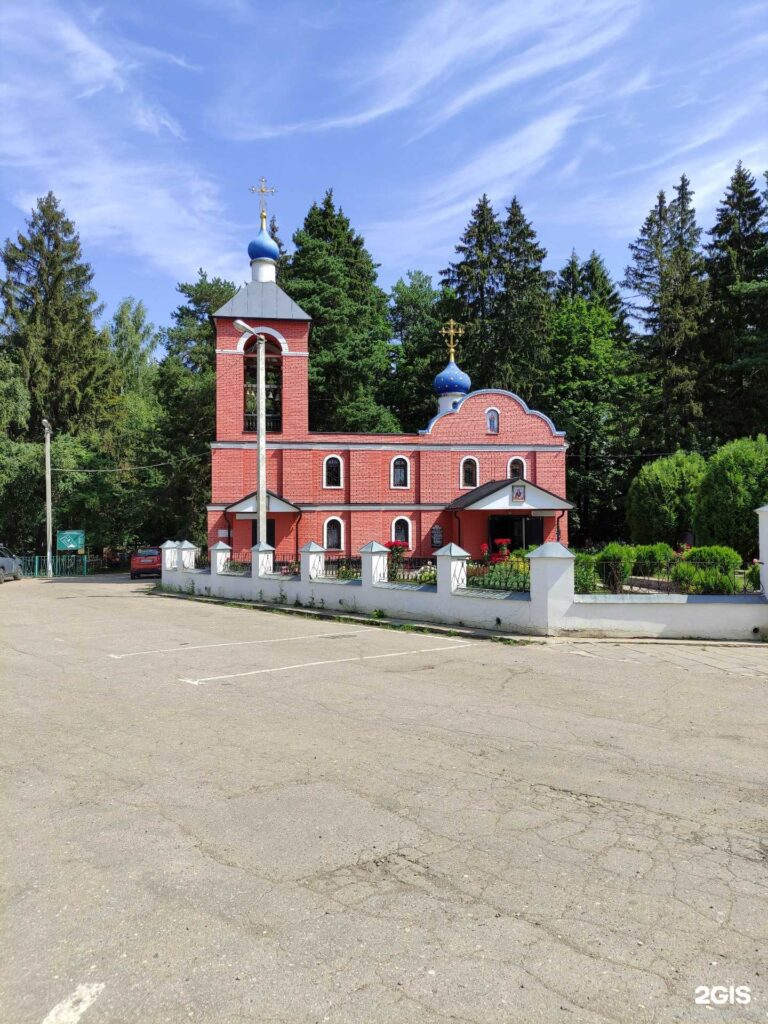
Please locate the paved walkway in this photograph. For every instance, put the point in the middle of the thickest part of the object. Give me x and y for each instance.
(220, 815)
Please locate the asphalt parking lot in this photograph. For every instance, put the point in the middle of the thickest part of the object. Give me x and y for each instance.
(220, 815)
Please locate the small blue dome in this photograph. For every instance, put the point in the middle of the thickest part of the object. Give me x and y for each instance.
(263, 247)
(451, 380)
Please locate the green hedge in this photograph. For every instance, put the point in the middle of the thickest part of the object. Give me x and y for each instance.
(691, 579)
(653, 559)
(715, 557)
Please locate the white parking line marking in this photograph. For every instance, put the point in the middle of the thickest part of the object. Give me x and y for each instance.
(235, 643)
(333, 661)
(72, 1009)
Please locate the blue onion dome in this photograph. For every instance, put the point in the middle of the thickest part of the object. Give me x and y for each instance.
(263, 247)
(451, 380)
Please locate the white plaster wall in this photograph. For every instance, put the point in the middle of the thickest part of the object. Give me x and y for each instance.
(553, 610)
(671, 615)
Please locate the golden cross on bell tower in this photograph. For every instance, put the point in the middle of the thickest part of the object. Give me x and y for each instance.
(452, 331)
(262, 191)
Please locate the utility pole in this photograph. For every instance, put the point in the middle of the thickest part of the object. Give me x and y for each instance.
(48, 504)
(261, 496)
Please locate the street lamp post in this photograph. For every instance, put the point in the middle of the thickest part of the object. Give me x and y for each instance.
(48, 504)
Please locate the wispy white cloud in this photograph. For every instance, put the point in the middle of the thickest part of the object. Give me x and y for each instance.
(86, 130)
(463, 62)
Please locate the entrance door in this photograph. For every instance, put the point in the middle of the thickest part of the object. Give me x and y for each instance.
(270, 531)
(521, 531)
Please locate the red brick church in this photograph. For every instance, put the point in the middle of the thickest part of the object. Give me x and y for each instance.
(485, 467)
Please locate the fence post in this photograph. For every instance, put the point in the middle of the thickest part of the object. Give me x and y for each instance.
(374, 558)
(220, 554)
(451, 569)
(552, 586)
(187, 553)
(170, 562)
(762, 551)
(262, 559)
(312, 561)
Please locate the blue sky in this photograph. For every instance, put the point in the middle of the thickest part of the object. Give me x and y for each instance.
(150, 121)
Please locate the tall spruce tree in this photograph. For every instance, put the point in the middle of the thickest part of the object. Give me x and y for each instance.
(186, 386)
(49, 326)
(587, 391)
(523, 308)
(417, 311)
(570, 282)
(736, 342)
(667, 276)
(475, 281)
(332, 276)
(598, 286)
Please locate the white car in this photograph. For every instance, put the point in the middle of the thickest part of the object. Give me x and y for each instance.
(10, 565)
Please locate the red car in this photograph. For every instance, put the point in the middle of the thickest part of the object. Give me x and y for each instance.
(146, 562)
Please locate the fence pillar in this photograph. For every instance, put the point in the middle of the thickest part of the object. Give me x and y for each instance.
(374, 559)
(451, 569)
(762, 551)
(220, 555)
(170, 557)
(552, 586)
(187, 555)
(262, 559)
(312, 561)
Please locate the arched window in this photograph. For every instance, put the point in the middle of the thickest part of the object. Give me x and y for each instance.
(401, 530)
(332, 471)
(516, 469)
(273, 384)
(492, 421)
(469, 472)
(334, 534)
(400, 470)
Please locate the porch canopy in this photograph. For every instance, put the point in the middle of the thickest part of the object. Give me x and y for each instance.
(246, 507)
(511, 496)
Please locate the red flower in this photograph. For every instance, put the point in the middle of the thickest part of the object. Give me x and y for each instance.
(396, 545)
(484, 549)
(503, 542)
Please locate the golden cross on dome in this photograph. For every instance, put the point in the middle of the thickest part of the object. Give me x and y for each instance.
(452, 331)
(262, 191)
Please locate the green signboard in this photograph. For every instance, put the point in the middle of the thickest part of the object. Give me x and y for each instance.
(70, 540)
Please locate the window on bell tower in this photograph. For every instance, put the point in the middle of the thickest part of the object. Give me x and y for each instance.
(273, 385)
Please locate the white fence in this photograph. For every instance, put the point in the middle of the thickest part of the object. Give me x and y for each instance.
(550, 608)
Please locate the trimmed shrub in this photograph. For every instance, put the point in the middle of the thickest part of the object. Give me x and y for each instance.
(715, 557)
(652, 559)
(752, 576)
(734, 485)
(691, 579)
(661, 498)
(585, 577)
(614, 564)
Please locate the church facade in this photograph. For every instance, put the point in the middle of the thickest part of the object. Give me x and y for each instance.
(485, 468)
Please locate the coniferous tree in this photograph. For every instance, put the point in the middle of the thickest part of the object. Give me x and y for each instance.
(588, 393)
(598, 286)
(737, 340)
(186, 387)
(475, 281)
(417, 312)
(282, 259)
(523, 309)
(332, 276)
(49, 324)
(667, 277)
(570, 283)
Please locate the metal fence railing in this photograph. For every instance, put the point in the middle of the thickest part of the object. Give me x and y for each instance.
(203, 561)
(513, 574)
(286, 567)
(343, 568)
(238, 564)
(594, 575)
(412, 570)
